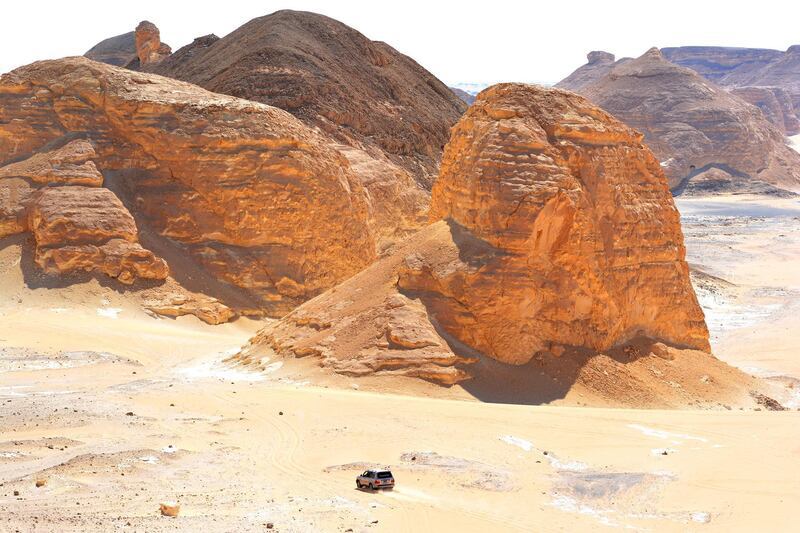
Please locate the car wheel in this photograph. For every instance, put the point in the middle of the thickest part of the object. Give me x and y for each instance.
(358, 484)
(371, 486)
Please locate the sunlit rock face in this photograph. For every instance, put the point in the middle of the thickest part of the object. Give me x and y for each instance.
(259, 199)
(552, 228)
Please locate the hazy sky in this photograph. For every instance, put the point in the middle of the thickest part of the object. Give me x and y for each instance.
(464, 41)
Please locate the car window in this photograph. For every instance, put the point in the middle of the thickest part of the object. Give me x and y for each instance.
(384, 475)
(365, 474)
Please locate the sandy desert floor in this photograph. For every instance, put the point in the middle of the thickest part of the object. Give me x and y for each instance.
(115, 411)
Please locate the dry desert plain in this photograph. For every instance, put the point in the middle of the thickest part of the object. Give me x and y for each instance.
(116, 411)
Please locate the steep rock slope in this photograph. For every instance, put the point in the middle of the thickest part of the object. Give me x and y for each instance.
(691, 124)
(766, 78)
(554, 231)
(598, 64)
(362, 92)
(259, 199)
(119, 50)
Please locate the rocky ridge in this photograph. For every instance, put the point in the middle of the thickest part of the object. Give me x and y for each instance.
(692, 125)
(363, 93)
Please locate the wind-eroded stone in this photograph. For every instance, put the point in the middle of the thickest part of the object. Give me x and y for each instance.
(258, 198)
(88, 229)
(552, 226)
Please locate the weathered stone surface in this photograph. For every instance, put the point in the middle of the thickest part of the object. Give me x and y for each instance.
(755, 71)
(775, 103)
(15, 196)
(82, 228)
(149, 48)
(691, 124)
(598, 65)
(581, 240)
(72, 164)
(209, 310)
(118, 51)
(251, 193)
(555, 229)
(362, 92)
(69, 165)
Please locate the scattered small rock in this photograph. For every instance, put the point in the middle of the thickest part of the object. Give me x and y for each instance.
(280, 413)
(169, 509)
(41, 483)
(16, 493)
(129, 413)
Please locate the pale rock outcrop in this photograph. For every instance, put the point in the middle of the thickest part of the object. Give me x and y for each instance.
(88, 229)
(256, 197)
(553, 227)
(209, 310)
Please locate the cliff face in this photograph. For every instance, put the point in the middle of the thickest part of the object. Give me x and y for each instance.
(259, 199)
(362, 92)
(553, 229)
(766, 78)
(691, 124)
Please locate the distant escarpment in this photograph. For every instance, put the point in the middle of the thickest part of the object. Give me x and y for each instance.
(363, 93)
(553, 231)
(693, 125)
(255, 197)
(769, 79)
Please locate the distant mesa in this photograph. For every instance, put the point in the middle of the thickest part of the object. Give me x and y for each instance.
(690, 123)
(530, 253)
(468, 98)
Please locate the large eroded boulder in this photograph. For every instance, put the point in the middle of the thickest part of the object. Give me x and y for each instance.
(88, 229)
(553, 226)
(259, 199)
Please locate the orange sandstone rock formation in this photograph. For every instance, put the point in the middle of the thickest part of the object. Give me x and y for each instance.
(553, 227)
(149, 48)
(82, 228)
(262, 201)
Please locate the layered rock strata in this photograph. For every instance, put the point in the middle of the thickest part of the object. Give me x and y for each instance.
(262, 201)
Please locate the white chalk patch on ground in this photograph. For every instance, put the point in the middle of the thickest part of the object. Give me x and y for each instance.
(109, 312)
(571, 505)
(169, 449)
(218, 370)
(518, 442)
(59, 310)
(676, 438)
(149, 459)
(701, 517)
(660, 451)
(273, 367)
(231, 351)
(12, 391)
(570, 466)
(11, 455)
